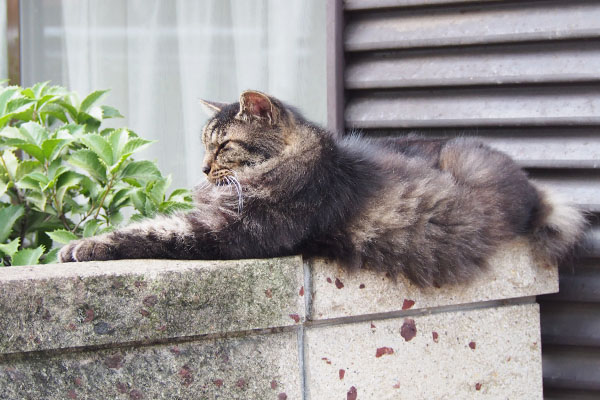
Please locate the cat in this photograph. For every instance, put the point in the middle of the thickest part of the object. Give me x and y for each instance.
(277, 185)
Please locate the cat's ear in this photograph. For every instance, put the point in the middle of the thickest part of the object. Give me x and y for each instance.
(211, 107)
(258, 106)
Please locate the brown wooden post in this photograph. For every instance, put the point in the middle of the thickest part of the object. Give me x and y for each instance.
(13, 41)
(335, 66)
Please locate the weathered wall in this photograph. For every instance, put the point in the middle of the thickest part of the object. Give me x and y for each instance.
(268, 329)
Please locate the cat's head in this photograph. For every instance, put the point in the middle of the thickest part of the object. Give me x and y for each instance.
(242, 137)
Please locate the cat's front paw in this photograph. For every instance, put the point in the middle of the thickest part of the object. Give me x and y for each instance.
(90, 249)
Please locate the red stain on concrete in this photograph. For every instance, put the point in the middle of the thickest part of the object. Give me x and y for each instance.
(150, 301)
(396, 385)
(240, 383)
(361, 286)
(268, 293)
(295, 317)
(136, 395)
(338, 283)
(478, 386)
(301, 292)
(472, 345)
(72, 394)
(175, 350)
(329, 280)
(408, 329)
(383, 351)
(115, 361)
(435, 336)
(89, 315)
(282, 396)
(77, 381)
(341, 372)
(273, 385)
(218, 382)
(407, 304)
(326, 360)
(122, 388)
(144, 313)
(185, 373)
(352, 394)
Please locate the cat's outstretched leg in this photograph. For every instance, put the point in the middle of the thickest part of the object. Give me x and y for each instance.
(161, 237)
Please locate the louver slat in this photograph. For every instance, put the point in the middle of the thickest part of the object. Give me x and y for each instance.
(513, 22)
(483, 65)
(516, 106)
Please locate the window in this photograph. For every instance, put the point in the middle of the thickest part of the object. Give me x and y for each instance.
(159, 57)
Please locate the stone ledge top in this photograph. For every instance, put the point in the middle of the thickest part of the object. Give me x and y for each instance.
(96, 303)
(85, 304)
(513, 272)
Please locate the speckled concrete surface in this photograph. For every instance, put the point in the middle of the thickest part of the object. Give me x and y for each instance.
(514, 272)
(488, 353)
(83, 304)
(253, 367)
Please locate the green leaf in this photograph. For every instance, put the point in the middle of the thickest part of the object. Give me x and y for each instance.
(70, 108)
(118, 139)
(90, 188)
(141, 170)
(62, 236)
(91, 123)
(138, 198)
(53, 147)
(10, 248)
(156, 190)
(51, 257)
(38, 88)
(11, 162)
(57, 111)
(110, 112)
(3, 187)
(136, 144)
(91, 99)
(33, 132)
(119, 198)
(5, 95)
(8, 216)
(91, 227)
(169, 207)
(39, 200)
(88, 161)
(27, 256)
(26, 167)
(100, 146)
(181, 195)
(19, 105)
(30, 148)
(116, 219)
(150, 208)
(66, 181)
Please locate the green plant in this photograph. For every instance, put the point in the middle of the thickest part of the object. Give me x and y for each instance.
(62, 177)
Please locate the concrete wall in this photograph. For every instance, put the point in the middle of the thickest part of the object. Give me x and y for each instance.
(268, 329)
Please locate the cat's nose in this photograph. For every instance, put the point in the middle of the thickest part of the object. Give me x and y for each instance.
(206, 169)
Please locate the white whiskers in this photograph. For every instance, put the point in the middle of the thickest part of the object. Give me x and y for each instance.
(238, 188)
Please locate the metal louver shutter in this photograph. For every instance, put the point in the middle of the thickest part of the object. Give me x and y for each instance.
(523, 76)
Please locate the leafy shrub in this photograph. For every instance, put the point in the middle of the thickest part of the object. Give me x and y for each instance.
(62, 177)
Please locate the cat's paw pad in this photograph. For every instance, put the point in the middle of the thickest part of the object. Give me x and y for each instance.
(92, 249)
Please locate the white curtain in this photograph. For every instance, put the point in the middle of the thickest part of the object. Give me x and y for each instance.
(159, 57)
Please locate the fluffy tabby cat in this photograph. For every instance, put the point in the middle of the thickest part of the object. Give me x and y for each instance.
(432, 210)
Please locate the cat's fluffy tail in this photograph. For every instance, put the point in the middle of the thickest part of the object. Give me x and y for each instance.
(558, 228)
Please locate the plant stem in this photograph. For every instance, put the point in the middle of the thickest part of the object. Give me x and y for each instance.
(104, 196)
